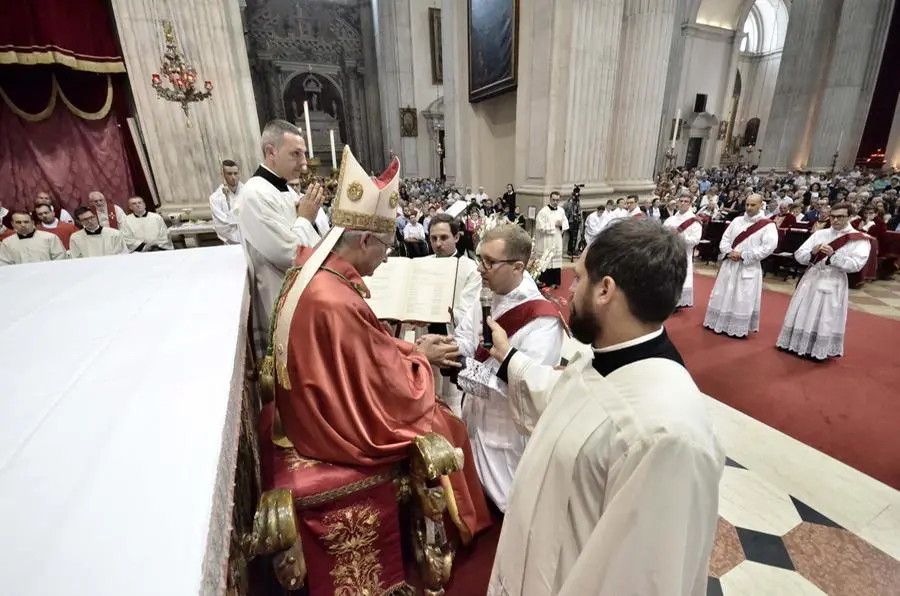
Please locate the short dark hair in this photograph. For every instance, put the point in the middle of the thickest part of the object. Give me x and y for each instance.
(20, 212)
(443, 218)
(81, 210)
(555, 192)
(842, 205)
(229, 163)
(647, 262)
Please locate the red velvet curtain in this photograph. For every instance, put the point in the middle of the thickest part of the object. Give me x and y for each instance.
(63, 153)
(78, 35)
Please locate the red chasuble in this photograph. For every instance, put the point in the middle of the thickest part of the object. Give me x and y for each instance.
(63, 231)
(359, 395)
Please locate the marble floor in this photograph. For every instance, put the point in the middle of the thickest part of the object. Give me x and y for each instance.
(795, 522)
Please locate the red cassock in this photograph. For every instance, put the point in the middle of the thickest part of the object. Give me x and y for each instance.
(358, 395)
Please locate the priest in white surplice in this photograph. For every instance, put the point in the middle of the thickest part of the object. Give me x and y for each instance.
(686, 224)
(221, 204)
(549, 226)
(736, 297)
(533, 323)
(145, 231)
(29, 245)
(594, 223)
(272, 226)
(817, 316)
(444, 234)
(617, 492)
(95, 240)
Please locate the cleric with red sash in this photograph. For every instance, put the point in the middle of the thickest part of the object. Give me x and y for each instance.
(817, 316)
(690, 228)
(534, 326)
(109, 214)
(736, 298)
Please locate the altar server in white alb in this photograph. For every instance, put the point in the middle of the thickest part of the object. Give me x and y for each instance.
(145, 231)
(444, 234)
(95, 240)
(549, 225)
(222, 201)
(817, 316)
(534, 325)
(595, 223)
(272, 225)
(690, 228)
(617, 492)
(736, 298)
(29, 245)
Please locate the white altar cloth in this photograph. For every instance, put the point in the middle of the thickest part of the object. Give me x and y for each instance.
(113, 444)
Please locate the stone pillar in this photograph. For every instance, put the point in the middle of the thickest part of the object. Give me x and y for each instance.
(807, 51)
(674, 82)
(372, 105)
(567, 72)
(855, 61)
(643, 68)
(892, 151)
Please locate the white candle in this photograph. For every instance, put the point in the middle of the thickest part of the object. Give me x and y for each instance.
(675, 128)
(309, 145)
(333, 156)
(840, 142)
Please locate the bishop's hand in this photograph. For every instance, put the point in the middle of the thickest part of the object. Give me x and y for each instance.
(440, 350)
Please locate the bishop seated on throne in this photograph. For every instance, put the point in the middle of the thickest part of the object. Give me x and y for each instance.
(355, 439)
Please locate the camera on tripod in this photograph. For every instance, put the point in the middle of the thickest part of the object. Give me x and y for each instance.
(576, 191)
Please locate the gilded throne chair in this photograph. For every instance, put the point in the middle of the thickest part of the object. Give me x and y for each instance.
(337, 530)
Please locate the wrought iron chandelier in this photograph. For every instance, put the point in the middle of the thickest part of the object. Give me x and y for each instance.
(180, 75)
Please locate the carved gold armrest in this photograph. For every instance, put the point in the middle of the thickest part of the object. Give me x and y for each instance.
(432, 459)
(275, 533)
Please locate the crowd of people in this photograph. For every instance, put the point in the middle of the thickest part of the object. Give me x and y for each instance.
(99, 228)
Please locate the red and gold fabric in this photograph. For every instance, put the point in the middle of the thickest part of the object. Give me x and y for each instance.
(349, 518)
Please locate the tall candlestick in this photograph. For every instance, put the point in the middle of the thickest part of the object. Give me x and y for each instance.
(675, 128)
(840, 142)
(309, 145)
(333, 156)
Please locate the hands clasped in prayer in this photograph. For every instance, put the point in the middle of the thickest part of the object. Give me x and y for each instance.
(309, 204)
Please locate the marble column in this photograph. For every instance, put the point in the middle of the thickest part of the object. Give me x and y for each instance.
(804, 66)
(567, 72)
(892, 151)
(855, 61)
(643, 69)
(186, 161)
(674, 81)
(457, 111)
(395, 75)
(371, 108)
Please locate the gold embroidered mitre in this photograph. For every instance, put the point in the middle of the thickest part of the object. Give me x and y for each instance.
(365, 203)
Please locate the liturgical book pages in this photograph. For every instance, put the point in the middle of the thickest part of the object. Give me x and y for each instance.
(413, 289)
(119, 420)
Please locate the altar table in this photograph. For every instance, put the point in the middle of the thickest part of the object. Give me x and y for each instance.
(120, 411)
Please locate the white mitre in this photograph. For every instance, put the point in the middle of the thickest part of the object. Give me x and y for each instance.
(360, 203)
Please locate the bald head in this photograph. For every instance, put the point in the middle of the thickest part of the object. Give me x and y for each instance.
(754, 204)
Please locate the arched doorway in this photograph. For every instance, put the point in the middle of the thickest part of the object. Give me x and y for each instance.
(326, 109)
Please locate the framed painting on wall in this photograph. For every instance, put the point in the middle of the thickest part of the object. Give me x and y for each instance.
(437, 54)
(493, 47)
(409, 122)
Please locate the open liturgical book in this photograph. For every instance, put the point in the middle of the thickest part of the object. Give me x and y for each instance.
(419, 290)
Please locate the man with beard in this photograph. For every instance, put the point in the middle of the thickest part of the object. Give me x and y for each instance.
(617, 491)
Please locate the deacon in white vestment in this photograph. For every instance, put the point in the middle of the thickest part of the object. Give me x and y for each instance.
(94, 240)
(617, 492)
(444, 234)
(549, 225)
(272, 226)
(29, 245)
(594, 224)
(736, 298)
(817, 316)
(534, 326)
(143, 230)
(222, 201)
(686, 224)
